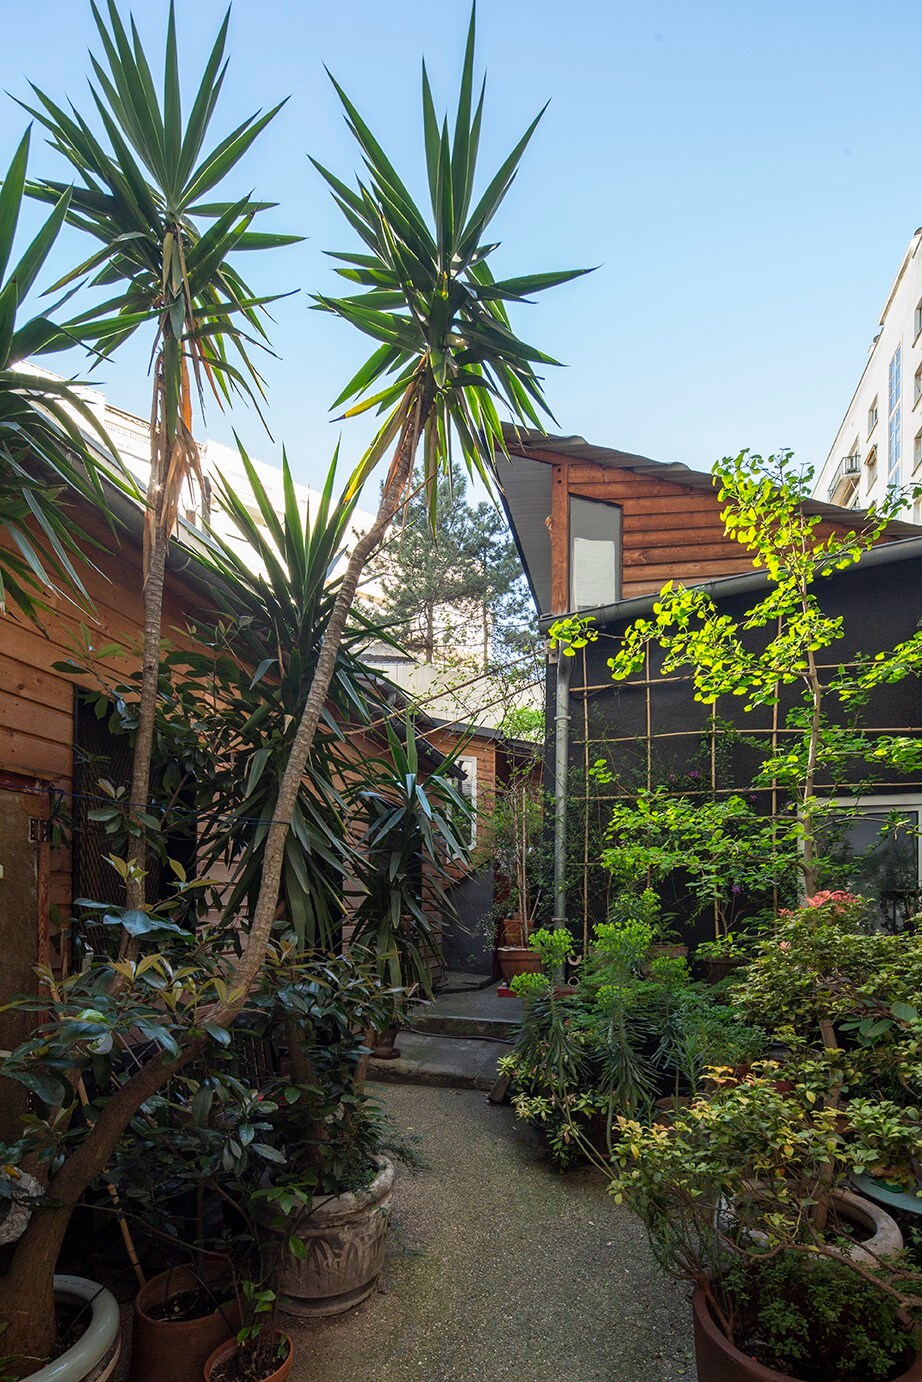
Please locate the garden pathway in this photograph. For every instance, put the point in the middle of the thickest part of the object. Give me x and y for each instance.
(498, 1267)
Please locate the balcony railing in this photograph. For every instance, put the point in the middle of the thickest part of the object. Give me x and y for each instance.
(848, 468)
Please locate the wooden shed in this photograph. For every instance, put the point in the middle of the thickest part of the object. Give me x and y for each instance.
(600, 531)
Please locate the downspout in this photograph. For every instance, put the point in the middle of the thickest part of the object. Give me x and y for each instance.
(561, 767)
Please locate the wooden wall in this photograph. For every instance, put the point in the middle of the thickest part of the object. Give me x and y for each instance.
(670, 531)
(37, 702)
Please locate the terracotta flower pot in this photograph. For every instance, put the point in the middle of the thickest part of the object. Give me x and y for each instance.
(344, 1237)
(166, 1350)
(720, 1361)
(227, 1350)
(517, 959)
(716, 970)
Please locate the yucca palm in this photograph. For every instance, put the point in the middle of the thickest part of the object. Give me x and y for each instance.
(39, 421)
(447, 361)
(141, 192)
(264, 651)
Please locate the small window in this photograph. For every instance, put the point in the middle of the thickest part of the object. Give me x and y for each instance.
(595, 553)
(873, 846)
(870, 465)
(917, 451)
(917, 321)
(872, 417)
(469, 790)
(917, 386)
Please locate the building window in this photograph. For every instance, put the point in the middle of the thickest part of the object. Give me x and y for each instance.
(873, 846)
(469, 790)
(870, 467)
(917, 386)
(917, 323)
(595, 553)
(917, 451)
(895, 418)
(872, 417)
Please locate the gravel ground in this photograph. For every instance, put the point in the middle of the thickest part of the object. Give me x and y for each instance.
(498, 1267)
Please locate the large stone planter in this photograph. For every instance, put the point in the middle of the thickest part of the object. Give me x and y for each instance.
(719, 1361)
(884, 1237)
(345, 1237)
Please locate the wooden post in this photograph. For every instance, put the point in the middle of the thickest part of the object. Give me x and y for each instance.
(560, 539)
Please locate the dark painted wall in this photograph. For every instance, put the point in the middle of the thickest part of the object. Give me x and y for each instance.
(880, 606)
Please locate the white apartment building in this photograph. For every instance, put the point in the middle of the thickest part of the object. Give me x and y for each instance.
(879, 443)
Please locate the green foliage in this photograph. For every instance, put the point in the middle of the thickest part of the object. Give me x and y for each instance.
(815, 1320)
(447, 355)
(141, 192)
(448, 581)
(40, 422)
(415, 829)
(630, 1031)
(775, 644)
(732, 856)
(554, 947)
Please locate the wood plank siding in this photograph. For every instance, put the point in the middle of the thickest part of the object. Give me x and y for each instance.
(669, 530)
(37, 702)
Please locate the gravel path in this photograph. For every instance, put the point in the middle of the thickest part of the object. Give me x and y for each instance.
(498, 1267)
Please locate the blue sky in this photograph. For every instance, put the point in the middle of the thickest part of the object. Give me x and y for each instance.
(744, 174)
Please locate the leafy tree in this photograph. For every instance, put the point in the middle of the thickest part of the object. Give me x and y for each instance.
(423, 569)
(775, 645)
(141, 192)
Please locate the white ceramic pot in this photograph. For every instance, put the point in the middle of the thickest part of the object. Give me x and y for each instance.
(95, 1354)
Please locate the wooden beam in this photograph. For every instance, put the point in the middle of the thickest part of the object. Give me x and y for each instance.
(560, 540)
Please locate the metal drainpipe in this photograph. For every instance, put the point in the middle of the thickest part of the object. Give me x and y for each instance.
(561, 766)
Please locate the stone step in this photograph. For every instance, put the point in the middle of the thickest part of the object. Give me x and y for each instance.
(436, 1060)
(465, 1025)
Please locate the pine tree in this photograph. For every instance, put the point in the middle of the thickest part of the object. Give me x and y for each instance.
(458, 590)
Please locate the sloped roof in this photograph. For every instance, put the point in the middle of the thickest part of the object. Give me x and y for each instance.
(525, 491)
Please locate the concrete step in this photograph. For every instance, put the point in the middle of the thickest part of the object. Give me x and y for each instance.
(458, 1063)
(465, 1025)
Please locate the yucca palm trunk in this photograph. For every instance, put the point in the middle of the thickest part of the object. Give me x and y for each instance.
(393, 494)
(157, 533)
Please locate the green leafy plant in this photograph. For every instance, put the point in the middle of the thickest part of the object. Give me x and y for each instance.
(42, 420)
(776, 644)
(142, 194)
(414, 829)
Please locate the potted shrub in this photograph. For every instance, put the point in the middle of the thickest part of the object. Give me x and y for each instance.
(743, 1196)
(261, 1352)
(322, 1208)
(724, 956)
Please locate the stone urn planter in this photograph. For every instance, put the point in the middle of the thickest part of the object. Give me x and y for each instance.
(225, 1352)
(93, 1358)
(720, 1361)
(344, 1237)
(172, 1346)
(517, 959)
